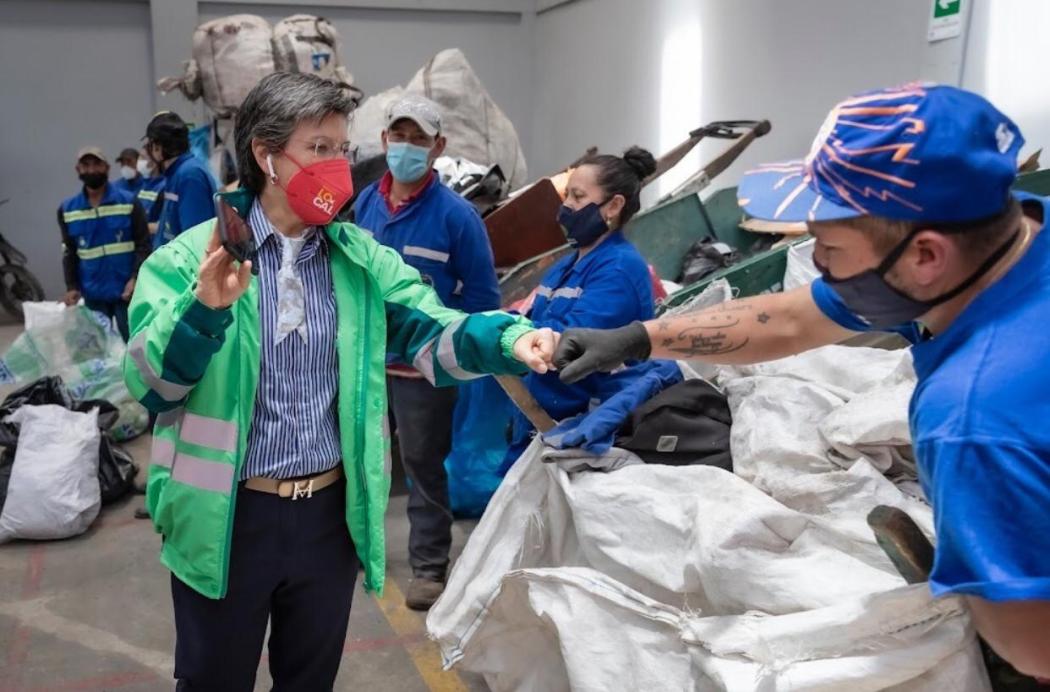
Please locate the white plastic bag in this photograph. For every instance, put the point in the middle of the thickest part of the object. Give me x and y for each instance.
(82, 348)
(800, 270)
(54, 490)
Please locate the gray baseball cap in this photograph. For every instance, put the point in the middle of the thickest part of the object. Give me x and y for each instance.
(419, 109)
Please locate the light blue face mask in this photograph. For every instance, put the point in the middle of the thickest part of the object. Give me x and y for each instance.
(408, 163)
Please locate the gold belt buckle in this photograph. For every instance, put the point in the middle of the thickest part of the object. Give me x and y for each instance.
(296, 489)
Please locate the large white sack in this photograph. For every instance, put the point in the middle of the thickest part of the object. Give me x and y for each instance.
(788, 536)
(690, 537)
(476, 128)
(367, 122)
(779, 407)
(900, 639)
(231, 54)
(309, 44)
(577, 629)
(53, 491)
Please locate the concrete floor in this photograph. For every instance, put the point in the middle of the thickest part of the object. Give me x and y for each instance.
(94, 612)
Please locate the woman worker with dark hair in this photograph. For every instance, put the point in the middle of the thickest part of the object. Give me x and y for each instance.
(604, 284)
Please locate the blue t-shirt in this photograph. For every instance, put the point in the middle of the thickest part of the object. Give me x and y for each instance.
(979, 423)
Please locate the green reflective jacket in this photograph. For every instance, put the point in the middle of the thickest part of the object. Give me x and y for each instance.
(198, 369)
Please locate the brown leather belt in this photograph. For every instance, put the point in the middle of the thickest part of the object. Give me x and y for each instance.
(295, 488)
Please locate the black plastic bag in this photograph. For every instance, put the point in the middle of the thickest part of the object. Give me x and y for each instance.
(46, 390)
(116, 468)
(706, 257)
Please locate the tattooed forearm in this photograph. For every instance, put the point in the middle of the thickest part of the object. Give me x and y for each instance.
(713, 344)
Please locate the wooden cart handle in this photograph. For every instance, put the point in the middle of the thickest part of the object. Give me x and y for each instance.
(527, 403)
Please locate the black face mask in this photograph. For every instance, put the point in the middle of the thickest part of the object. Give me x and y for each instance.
(871, 298)
(583, 226)
(93, 181)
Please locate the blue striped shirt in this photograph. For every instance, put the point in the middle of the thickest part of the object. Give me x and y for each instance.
(295, 431)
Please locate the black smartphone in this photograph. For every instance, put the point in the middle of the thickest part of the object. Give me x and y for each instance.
(234, 232)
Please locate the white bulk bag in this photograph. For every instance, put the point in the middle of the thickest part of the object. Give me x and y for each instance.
(53, 491)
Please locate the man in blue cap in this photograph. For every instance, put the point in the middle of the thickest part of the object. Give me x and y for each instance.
(907, 192)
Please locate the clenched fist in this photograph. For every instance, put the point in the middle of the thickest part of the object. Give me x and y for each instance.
(536, 349)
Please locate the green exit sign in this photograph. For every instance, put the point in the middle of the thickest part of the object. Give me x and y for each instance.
(946, 20)
(946, 8)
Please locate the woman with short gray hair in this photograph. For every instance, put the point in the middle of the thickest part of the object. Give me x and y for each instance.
(268, 479)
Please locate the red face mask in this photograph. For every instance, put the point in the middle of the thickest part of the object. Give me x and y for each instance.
(318, 191)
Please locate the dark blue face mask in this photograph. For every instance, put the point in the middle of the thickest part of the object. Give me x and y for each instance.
(584, 226)
(871, 298)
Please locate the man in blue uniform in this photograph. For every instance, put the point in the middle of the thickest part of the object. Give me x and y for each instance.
(131, 179)
(440, 234)
(907, 192)
(188, 185)
(105, 240)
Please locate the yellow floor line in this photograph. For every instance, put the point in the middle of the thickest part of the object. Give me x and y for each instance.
(425, 655)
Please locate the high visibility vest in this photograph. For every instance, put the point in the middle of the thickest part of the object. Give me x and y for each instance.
(104, 241)
(149, 197)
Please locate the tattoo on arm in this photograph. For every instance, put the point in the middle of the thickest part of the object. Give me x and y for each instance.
(708, 332)
(707, 344)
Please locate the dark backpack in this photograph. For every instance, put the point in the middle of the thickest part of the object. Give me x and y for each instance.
(686, 424)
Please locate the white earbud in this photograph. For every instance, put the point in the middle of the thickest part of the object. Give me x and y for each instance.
(269, 165)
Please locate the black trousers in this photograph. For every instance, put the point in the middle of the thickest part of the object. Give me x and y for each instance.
(292, 563)
(423, 417)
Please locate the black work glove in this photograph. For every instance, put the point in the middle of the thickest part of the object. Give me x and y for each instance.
(581, 352)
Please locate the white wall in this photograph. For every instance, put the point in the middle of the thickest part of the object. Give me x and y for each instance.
(1006, 61)
(71, 73)
(618, 72)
